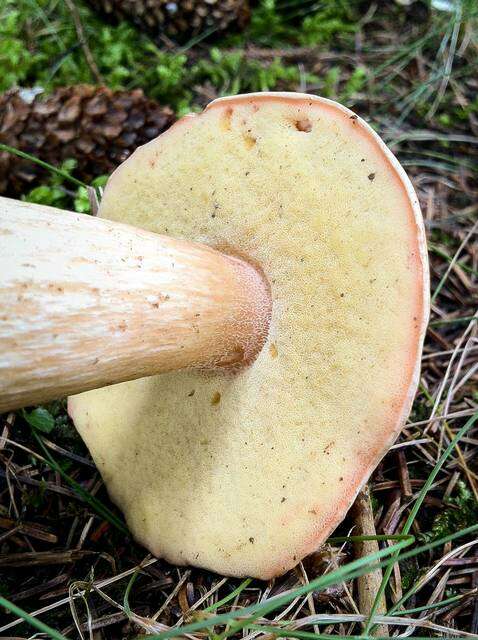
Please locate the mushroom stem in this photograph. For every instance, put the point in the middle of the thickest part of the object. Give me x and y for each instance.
(86, 302)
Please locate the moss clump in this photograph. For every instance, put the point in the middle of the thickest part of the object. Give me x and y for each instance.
(304, 22)
(39, 46)
(460, 512)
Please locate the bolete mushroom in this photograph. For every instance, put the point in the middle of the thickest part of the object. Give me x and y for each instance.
(245, 472)
(293, 293)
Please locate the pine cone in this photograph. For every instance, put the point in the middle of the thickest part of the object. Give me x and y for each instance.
(97, 127)
(180, 19)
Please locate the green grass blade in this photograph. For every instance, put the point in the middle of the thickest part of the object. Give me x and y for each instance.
(443, 254)
(435, 605)
(352, 570)
(229, 597)
(356, 567)
(45, 165)
(439, 323)
(37, 624)
(308, 635)
(452, 262)
(131, 581)
(93, 502)
(338, 539)
(418, 503)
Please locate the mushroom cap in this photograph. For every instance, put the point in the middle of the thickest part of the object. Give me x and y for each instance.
(247, 473)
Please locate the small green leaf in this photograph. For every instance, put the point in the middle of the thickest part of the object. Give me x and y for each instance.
(40, 418)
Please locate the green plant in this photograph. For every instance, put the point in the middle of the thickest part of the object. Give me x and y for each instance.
(461, 510)
(39, 46)
(355, 83)
(39, 418)
(331, 19)
(81, 201)
(306, 22)
(267, 25)
(234, 72)
(53, 192)
(15, 59)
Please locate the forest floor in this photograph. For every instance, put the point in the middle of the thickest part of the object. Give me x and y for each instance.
(65, 555)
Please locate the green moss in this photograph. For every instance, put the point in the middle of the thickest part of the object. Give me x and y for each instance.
(410, 573)
(444, 119)
(267, 25)
(355, 83)
(233, 72)
(15, 60)
(333, 18)
(39, 46)
(461, 511)
(300, 22)
(330, 82)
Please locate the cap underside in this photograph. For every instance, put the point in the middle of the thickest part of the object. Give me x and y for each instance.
(246, 474)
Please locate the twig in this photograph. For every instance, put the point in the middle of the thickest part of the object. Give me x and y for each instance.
(403, 474)
(83, 41)
(63, 601)
(176, 589)
(474, 620)
(38, 558)
(368, 584)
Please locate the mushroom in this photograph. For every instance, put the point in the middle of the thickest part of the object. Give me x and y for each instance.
(246, 472)
(246, 468)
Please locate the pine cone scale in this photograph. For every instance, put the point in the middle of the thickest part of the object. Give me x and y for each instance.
(181, 19)
(97, 127)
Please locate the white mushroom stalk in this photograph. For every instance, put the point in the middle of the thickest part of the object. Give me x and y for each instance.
(85, 302)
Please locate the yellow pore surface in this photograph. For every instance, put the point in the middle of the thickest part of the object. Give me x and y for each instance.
(246, 474)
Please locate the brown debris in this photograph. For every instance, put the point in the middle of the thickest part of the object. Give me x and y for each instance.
(36, 558)
(29, 529)
(369, 584)
(405, 484)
